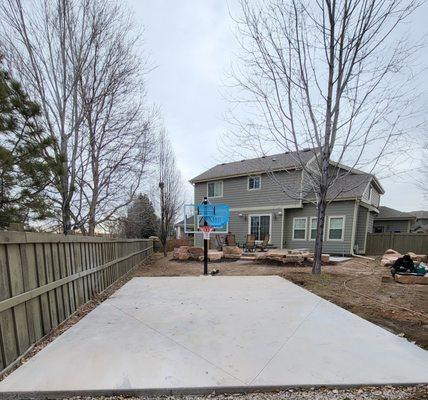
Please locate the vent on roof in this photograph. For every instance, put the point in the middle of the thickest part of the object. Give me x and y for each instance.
(273, 159)
(305, 150)
(243, 160)
(223, 163)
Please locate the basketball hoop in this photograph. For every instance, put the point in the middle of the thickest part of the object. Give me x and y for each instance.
(206, 230)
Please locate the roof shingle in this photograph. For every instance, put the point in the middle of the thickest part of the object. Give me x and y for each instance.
(390, 213)
(256, 165)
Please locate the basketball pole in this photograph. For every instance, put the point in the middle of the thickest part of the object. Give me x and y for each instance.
(205, 245)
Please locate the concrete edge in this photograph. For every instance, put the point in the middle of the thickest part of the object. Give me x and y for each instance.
(61, 394)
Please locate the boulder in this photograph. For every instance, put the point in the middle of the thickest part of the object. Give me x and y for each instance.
(183, 256)
(232, 250)
(195, 252)
(181, 253)
(417, 257)
(213, 255)
(412, 279)
(277, 253)
(389, 257)
(325, 258)
(231, 256)
(292, 258)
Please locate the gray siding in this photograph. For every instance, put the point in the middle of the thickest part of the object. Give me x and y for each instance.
(339, 208)
(239, 226)
(237, 195)
(393, 226)
(361, 229)
(375, 196)
(371, 222)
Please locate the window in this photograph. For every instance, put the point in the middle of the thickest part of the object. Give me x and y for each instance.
(313, 228)
(378, 229)
(259, 226)
(370, 192)
(299, 228)
(335, 228)
(215, 189)
(254, 182)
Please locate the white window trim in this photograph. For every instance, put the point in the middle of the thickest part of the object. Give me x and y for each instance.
(306, 229)
(248, 182)
(215, 197)
(309, 230)
(343, 228)
(270, 225)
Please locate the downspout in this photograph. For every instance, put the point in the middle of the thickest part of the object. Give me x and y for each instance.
(354, 226)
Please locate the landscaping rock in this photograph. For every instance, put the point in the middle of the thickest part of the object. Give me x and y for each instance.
(232, 250)
(390, 257)
(417, 257)
(195, 252)
(412, 279)
(181, 253)
(325, 258)
(213, 255)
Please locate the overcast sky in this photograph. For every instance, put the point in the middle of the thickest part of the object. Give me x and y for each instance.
(192, 45)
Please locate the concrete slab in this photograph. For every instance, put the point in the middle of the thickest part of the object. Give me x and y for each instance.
(198, 332)
(336, 260)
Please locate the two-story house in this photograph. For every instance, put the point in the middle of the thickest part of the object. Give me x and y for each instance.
(267, 195)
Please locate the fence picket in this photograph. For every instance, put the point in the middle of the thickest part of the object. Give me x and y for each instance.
(43, 281)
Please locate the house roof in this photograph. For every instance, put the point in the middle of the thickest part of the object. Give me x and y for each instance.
(391, 214)
(281, 161)
(420, 214)
(346, 186)
(423, 227)
(352, 184)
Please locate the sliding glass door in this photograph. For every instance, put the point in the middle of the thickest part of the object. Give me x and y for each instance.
(260, 226)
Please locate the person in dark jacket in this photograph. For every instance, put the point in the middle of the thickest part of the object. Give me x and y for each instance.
(403, 264)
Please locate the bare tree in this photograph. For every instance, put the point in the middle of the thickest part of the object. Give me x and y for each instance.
(170, 189)
(79, 60)
(44, 48)
(329, 76)
(118, 139)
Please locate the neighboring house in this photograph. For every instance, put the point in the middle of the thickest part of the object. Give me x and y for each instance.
(179, 228)
(263, 195)
(421, 224)
(390, 220)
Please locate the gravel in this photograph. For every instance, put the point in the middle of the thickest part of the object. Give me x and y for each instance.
(419, 392)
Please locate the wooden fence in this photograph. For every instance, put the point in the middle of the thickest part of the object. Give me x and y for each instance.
(44, 278)
(377, 243)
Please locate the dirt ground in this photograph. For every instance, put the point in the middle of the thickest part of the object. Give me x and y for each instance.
(354, 285)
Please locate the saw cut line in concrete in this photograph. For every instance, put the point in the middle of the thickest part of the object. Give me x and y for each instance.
(218, 332)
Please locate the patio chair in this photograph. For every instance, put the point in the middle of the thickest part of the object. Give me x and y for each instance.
(250, 243)
(219, 242)
(264, 244)
(231, 240)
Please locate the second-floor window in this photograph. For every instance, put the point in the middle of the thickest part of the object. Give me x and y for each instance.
(215, 189)
(254, 182)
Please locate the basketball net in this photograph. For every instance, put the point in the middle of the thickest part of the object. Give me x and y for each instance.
(206, 230)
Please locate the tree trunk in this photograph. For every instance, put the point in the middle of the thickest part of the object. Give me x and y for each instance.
(321, 207)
